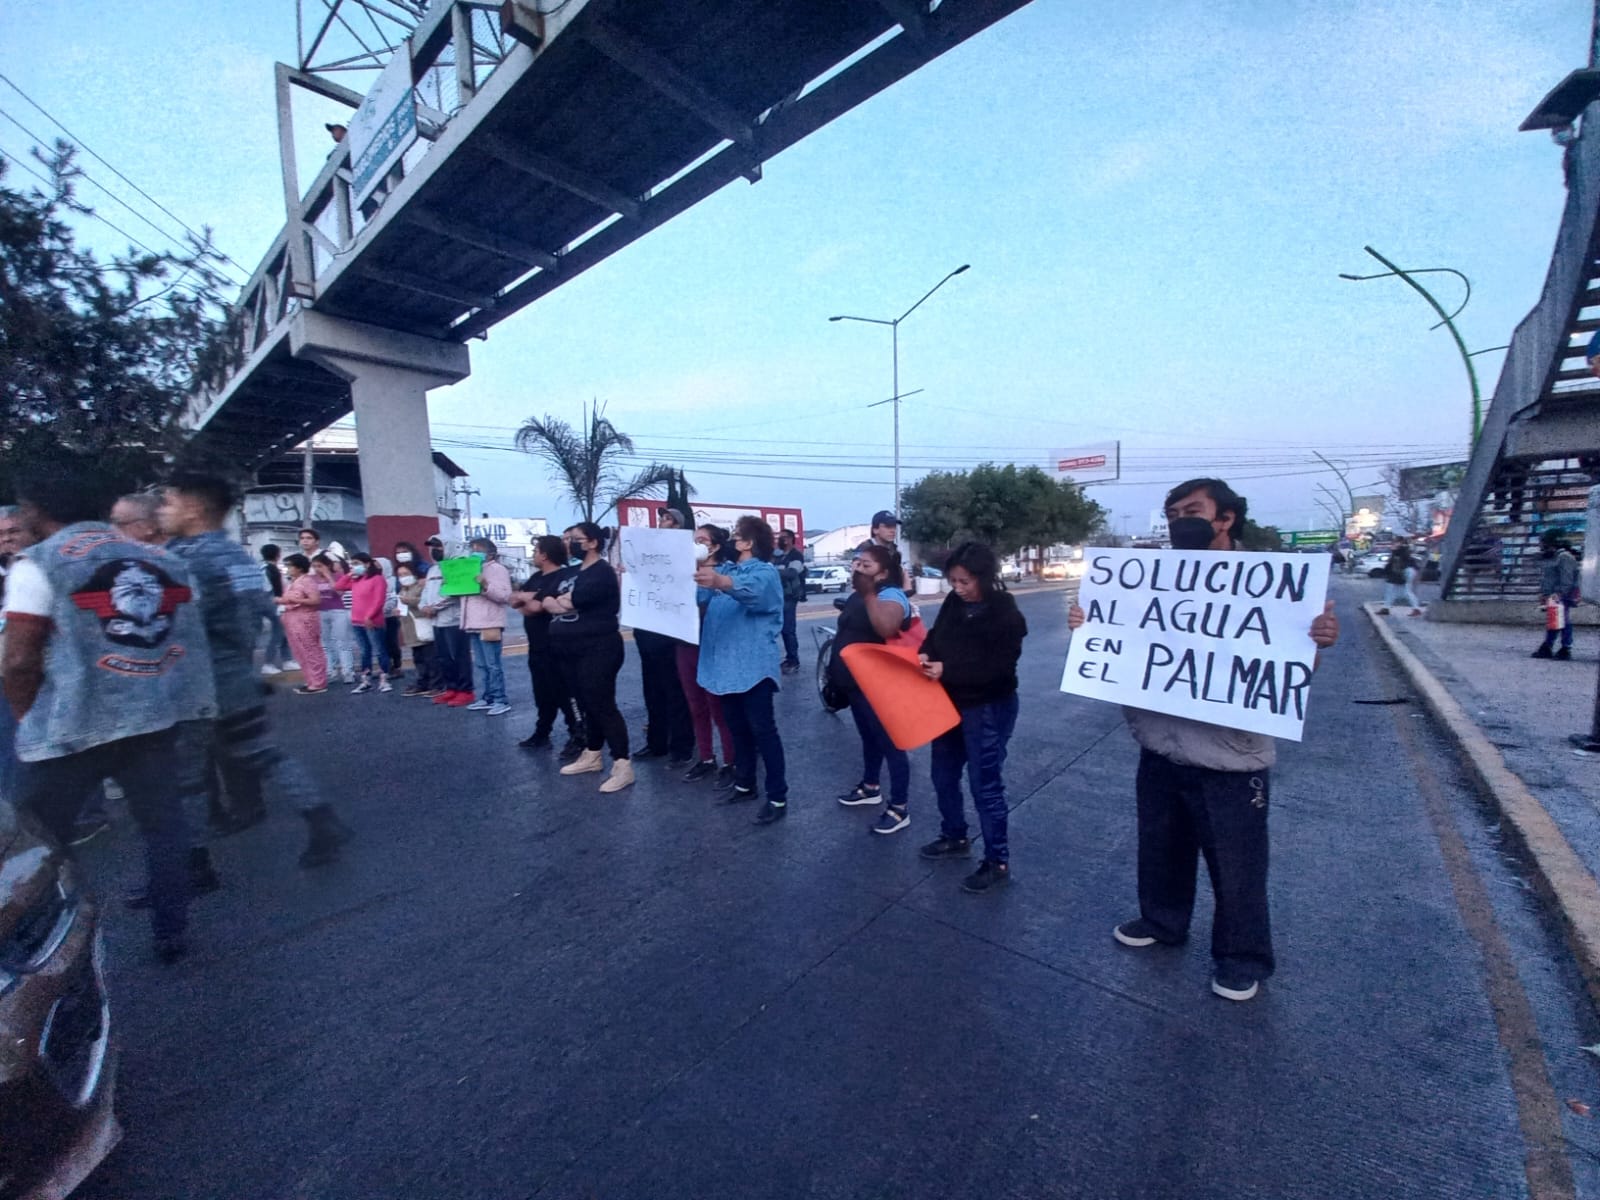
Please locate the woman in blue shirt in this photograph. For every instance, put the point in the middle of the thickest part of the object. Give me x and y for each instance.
(876, 611)
(740, 658)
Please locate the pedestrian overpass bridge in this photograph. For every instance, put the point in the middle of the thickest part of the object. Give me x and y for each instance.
(605, 119)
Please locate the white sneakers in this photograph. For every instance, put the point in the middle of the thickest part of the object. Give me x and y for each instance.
(269, 669)
(585, 763)
(621, 776)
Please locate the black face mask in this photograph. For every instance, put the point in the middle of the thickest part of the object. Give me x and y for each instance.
(436, 553)
(576, 549)
(1191, 533)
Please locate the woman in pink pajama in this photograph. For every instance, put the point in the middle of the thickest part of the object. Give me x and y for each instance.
(704, 708)
(302, 623)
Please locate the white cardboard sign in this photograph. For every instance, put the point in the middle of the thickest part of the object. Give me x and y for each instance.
(658, 588)
(1222, 637)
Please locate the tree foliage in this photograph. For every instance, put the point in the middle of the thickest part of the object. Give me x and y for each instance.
(1259, 537)
(588, 462)
(97, 357)
(1007, 507)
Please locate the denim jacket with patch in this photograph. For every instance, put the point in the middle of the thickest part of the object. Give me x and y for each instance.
(234, 600)
(126, 653)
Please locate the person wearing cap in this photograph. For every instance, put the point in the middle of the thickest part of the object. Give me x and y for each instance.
(885, 532)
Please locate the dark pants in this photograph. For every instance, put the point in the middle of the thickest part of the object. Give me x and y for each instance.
(550, 694)
(755, 735)
(391, 643)
(163, 776)
(422, 654)
(1190, 811)
(590, 668)
(670, 729)
(454, 658)
(253, 766)
(876, 747)
(277, 645)
(979, 744)
(791, 636)
(1566, 627)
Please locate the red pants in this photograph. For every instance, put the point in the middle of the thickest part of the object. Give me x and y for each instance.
(704, 708)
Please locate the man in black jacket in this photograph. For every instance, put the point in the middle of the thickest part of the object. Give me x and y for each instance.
(791, 566)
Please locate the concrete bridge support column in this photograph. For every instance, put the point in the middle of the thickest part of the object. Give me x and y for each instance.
(390, 374)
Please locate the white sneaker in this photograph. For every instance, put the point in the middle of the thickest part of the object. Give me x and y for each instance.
(386, 686)
(589, 760)
(499, 709)
(621, 776)
(269, 669)
(289, 664)
(479, 706)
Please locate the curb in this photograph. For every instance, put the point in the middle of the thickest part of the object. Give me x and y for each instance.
(1560, 873)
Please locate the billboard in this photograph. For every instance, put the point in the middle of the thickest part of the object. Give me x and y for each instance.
(384, 127)
(1424, 483)
(1312, 537)
(1099, 463)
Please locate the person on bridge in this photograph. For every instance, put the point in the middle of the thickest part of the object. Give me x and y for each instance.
(105, 670)
(972, 650)
(705, 709)
(1558, 592)
(233, 597)
(740, 661)
(876, 610)
(586, 640)
(483, 620)
(551, 696)
(791, 564)
(1202, 790)
(302, 624)
(669, 728)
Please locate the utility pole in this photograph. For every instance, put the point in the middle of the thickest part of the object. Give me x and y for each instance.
(308, 492)
(466, 492)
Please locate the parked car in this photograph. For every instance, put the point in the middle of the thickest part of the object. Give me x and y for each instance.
(56, 1059)
(828, 579)
(1055, 570)
(1011, 571)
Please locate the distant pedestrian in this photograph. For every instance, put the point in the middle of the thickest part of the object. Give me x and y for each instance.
(105, 670)
(405, 555)
(705, 709)
(1202, 792)
(337, 640)
(586, 640)
(483, 620)
(275, 656)
(740, 661)
(232, 599)
(1398, 573)
(877, 610)
(973, 649)
(551, 697)
(368, 590)
(452, 653)
(1558, 592)
(302, 624)
(669, 729)
(791, 564)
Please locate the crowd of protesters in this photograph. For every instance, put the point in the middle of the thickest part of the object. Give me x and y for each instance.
(184, 727)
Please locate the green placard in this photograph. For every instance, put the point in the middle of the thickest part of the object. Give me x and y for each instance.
(461, 575)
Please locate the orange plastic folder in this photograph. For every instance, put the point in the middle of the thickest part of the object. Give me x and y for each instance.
(913, 708)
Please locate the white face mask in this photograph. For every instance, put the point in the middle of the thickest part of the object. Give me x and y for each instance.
(358, 570)
(406, 581)
(403, 556)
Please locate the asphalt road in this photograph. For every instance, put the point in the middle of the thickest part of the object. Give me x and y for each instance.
(516, 987)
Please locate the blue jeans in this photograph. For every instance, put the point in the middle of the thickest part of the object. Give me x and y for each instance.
(755, 734)
(487, 657)
(876, 748)
(277, 645)
(8, 754)
(372, 646)
(978, 744)
(1566, 627)
(791, 637)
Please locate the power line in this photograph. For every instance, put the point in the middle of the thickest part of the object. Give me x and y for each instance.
(91, 152)
(48, 183)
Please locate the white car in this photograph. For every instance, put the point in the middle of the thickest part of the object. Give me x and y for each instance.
(1011, 571)
(828, 579)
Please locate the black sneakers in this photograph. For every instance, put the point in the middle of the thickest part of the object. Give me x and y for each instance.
(947, 847)
(1564, 654)
(701, 770)
(679, 761)
(1234, 983)
(891, 820)
(740, 794)
(1139, 933)
(535, 741)
(327, 834)
(572, 749)
(770, 812)
(862, 793)
(986, 878)
(725, 775)
(1542, 652)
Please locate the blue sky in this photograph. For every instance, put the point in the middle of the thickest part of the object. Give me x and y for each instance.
(1156, 201)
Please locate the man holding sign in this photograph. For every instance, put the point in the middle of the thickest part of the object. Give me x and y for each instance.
(1210, 651)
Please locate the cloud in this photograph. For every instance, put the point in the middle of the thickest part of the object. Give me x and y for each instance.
(1117, 166)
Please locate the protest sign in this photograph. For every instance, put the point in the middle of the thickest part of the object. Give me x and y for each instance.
(658, 589)
(913, 708)
(1222, 637)
(460, 575)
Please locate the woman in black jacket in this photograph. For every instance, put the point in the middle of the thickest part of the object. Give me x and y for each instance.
(972, 650)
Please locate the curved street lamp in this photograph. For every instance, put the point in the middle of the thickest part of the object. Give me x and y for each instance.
(1445, 319)
(894, 329)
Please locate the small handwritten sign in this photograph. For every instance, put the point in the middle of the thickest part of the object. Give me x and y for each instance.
(1222, 637)
(658, 590)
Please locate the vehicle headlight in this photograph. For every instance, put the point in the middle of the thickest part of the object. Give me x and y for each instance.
(38, 934)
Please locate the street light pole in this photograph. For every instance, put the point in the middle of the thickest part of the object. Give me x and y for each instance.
(894, 344)
(1445, 319)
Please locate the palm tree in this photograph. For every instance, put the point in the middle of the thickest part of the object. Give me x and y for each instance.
(586, 461)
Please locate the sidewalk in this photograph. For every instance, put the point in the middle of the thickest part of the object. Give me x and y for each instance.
(1511, 717)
